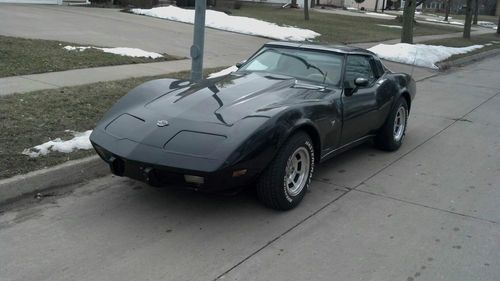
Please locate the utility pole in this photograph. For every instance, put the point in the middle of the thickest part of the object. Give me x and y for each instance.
(198, 41)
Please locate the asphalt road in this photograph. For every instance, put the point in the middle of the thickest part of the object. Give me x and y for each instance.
(110, 28)
(427, 212)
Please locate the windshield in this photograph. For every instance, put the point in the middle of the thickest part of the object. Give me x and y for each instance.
(315, 66)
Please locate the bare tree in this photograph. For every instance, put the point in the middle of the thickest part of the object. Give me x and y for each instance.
(376, 5)
(359, 2)
(448, 8)
(468, 19)
(476, 11)
(306, 9)
(498, 27)
(408, 18)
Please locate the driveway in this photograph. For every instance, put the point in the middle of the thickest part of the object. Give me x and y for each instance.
(111, 28)
(427, 212)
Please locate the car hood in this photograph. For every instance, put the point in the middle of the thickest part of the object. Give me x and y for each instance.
(213, 106)
(227, 100)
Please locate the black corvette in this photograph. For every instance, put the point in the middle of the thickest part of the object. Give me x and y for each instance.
(287, 108)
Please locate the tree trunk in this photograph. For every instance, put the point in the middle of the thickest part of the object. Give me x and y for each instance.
(293, 4)
(468, 19)
(306, 9)
(376, 5)
(476, 11)
(408, 18)
(448, 8)
(498, 27)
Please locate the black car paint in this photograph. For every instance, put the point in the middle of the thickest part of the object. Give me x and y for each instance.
(238, 122)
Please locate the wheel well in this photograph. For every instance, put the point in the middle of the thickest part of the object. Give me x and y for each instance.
(407, 97)
(314, 135)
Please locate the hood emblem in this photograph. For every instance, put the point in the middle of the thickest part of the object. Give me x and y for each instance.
(162, 123)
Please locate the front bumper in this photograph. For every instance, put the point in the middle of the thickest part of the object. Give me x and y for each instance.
(160, 175)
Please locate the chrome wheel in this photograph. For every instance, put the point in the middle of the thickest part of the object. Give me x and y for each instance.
(297, 171)
(400, 123)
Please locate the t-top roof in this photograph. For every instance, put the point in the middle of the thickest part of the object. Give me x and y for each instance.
(311, 46)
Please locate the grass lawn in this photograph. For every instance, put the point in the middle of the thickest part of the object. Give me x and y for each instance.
(475, 40)
(338, 28)
(33, 118)
(19, 56)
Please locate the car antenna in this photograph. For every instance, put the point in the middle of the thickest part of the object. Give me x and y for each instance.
(414, 61)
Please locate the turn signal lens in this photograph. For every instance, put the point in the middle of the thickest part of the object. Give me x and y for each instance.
(194, 179)
(239, 173)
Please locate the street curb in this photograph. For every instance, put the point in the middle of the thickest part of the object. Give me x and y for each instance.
(71, 172)
(443, 66)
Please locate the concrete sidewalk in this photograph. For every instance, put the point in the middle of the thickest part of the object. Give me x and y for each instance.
(52, 80)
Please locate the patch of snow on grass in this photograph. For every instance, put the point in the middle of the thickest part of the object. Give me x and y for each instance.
(131, 52)
(487, 24)
(443, 21)
(122, 51)
(220, 20)
(76, 48)
(419, 54)
(80, 141)
(223, 72)
(391, 26)
(380, 15)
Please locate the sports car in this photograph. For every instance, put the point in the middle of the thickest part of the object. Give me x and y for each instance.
(287, 108)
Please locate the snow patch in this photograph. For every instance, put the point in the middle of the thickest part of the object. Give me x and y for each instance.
(380, 15)
(443, 21)
(391, 26)
(122, 51)
(220, 20)
(80, 141)
(487, 24)
(419, 54)
(223, 72)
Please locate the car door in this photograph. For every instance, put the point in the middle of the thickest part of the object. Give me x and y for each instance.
(359, 103)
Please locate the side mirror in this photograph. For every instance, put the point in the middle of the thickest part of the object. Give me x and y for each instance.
(361, 82)
(358, 82)
(239, 64)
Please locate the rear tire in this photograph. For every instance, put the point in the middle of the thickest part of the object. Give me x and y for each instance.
(284, 183)
(391, 135)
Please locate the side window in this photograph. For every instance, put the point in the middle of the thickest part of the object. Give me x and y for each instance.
(358, 66)
(379, 67)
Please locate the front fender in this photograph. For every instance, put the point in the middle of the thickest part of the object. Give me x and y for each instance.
(261, 146)
(141, 94)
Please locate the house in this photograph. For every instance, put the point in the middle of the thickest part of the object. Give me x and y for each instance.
(54, 2)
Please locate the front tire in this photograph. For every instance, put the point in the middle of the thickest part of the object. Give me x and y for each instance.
(284, 183)
(391, 135)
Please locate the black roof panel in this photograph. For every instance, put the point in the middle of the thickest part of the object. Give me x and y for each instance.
(311, 46)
